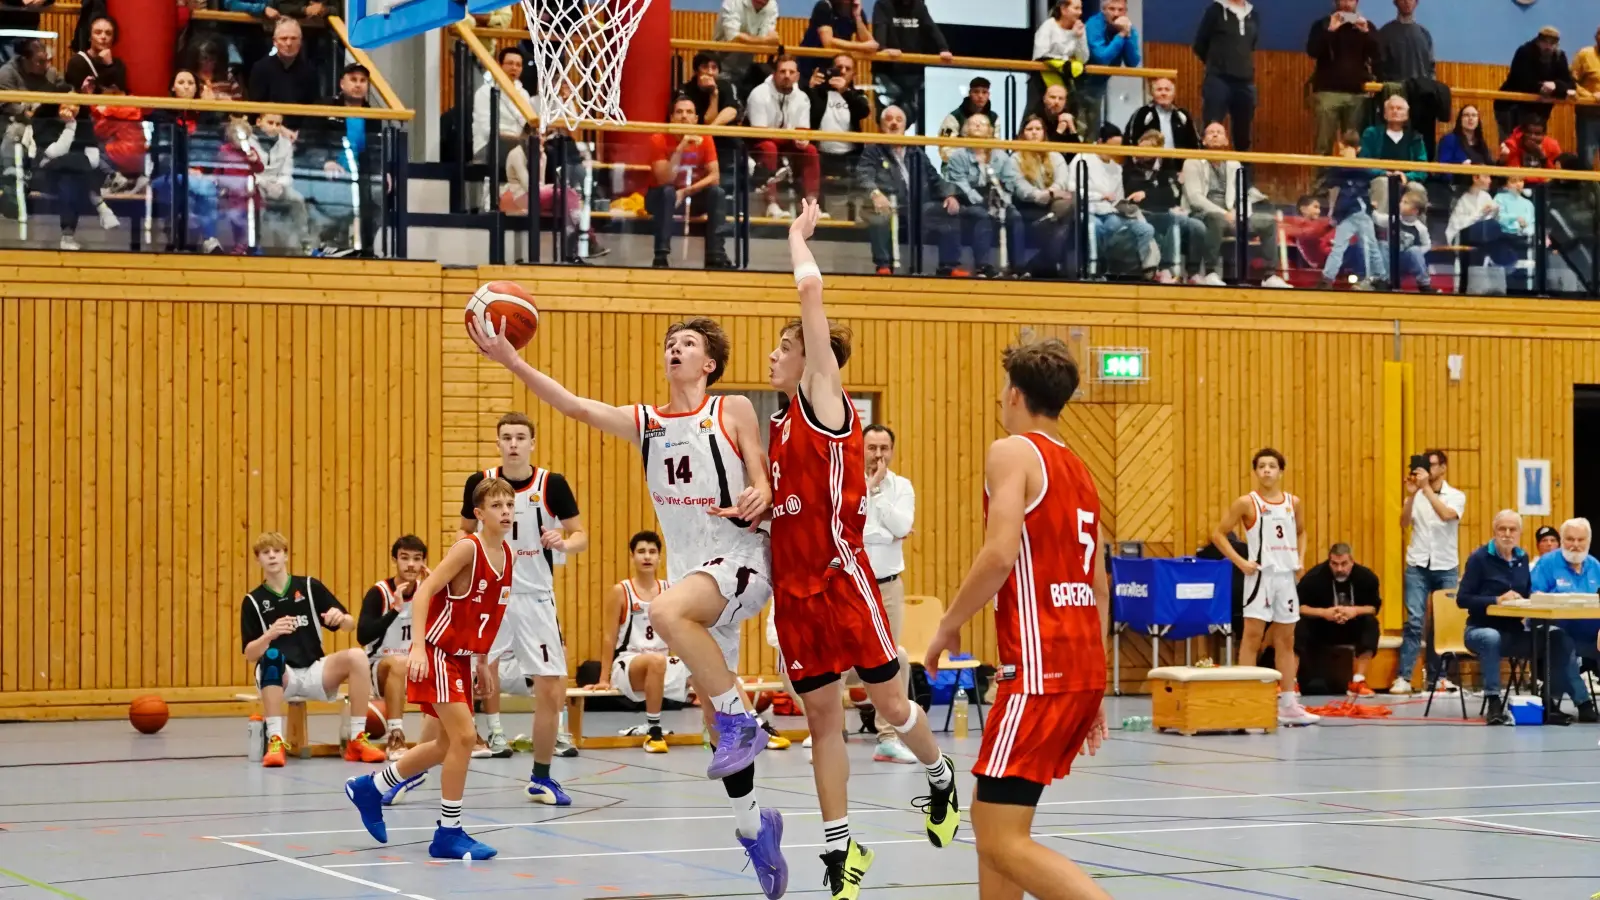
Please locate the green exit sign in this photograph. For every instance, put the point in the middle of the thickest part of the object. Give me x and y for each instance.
(1122, 365)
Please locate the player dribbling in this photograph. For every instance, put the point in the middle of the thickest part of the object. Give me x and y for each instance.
(1040, 562)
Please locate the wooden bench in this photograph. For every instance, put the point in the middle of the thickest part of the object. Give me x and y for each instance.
(296, 733)
(576, 697)
(1190, 699)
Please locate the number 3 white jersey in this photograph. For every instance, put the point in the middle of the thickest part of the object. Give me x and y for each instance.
(638, 635)
(691, 466)
(1272, 538)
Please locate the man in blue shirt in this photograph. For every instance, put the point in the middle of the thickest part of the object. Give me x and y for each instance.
(1496, 573)
(1571, 570)
(1113, 41)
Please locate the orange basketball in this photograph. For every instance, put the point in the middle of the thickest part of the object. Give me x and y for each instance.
(858, 695)
(148, 713)
(505, 304)
(377, 722)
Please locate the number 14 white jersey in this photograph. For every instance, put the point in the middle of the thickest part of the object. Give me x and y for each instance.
(691, 466)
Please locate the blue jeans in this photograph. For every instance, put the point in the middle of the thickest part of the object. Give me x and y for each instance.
(1490, 645)
(1358, 226)
(1420, 585)
(1414, 262)
(977, 232)
(1111, 223)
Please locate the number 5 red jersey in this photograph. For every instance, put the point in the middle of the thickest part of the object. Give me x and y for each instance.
(466, 624)
(1046, 616)
(819, 491)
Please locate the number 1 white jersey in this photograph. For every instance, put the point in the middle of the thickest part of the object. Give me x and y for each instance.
(691, 466)
(1272, 539)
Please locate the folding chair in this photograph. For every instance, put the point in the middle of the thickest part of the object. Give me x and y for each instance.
(921, 622)
(1447, 622)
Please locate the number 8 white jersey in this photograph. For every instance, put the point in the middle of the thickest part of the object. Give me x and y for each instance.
(691, 466)
(637, 634)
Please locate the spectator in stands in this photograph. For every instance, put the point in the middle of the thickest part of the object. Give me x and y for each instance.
(89, 69)
(745, 22)
(1475, 223)
(217, 76)
(1339, 603)
(1405, 48)
(1529, 147)
(1498, 573)
(887, 172)
(63, 168)
(120, 132)
(1161, 113)
(979, 178)
(353, 173)
(1346, 52)
(1226, 42)
(287, 76)
(904, 26)
(276, 182)
(202, 197)
(1060, 42)
(237, 163)
(685, 168)
(779, 103)
(1586, 84)
(1516, 227)
(558, 152)
(1116, 222)
(1113, 41)
(1395, 139)
(1415, 241)
(976, 103)
(716, 102)
(1042, 198)
(512, 123)
(1539, 67)
(836, 25)
(1465, 145)
(1060, 126)
(1546, 540)
(1571, 571)
(29, 69)
(15, 16)
(1210, 190)
(837, 105)
(1152, 182)
(1351, 211)
(319, 42)
(1308, 231)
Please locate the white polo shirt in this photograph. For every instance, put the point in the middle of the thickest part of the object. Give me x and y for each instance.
(1434, 542)
(891, 507)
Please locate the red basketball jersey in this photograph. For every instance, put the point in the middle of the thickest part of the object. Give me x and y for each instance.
(1045, 613)
(466, 624)
(819, 499)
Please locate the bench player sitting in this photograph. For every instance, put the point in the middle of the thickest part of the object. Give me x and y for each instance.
(636, 661)
(384, 628)
(280, 626)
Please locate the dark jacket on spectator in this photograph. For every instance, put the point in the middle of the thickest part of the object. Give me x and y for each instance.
(1355, 192)
(1376, 144)
(905, 25)
(1158, 178)
(1146, 118)
(15, 16)
(1345, 57)
(960, 115)
(1316, 587)
(296, 9)
(877, 170)
(1487, 576)
(727, 95)
(272, 82)
(860, 107)
(1529, 71)
(1050, 132)
(1226, 43)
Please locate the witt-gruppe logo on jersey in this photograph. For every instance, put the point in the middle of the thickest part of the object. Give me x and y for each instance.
(653, 429)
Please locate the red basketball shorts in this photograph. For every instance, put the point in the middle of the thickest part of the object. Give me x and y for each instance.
(449, 680)
(842, 628)
(1036, 736)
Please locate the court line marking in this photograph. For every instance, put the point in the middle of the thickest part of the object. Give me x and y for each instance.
(324, 870)
(1479, 820)
(856, 812)
(1391, 820)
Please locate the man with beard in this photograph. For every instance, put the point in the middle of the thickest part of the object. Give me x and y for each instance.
(1339, 603)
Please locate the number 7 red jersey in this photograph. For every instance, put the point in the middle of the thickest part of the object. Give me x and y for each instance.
(466, 624)
(1046, 616)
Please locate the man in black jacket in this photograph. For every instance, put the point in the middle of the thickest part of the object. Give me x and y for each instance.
(886, 173)
(1539, 67)
(904, 26)
(1059, 125)
(1226, 42)
(348, 154)
(1339, 603)
(1165, 116)
(837, 105)
(716, 102)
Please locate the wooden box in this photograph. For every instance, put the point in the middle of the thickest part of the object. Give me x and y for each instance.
(1225, 698)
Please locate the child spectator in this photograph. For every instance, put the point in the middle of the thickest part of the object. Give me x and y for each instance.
(1310, 233)
(276, 181)
(1352, 217)
(1152, 182)
(1529, 147)
(1414, 240)
(1516, 210)
(120, 131)
(238, 162)
(1475, 219)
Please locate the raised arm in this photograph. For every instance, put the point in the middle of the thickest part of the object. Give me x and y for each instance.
(822, 383)
(613, 420)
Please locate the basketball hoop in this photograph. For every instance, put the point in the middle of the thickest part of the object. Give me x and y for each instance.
(578, 50)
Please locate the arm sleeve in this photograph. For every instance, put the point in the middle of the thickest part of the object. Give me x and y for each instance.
(249, 623)
(1540, 580)
(375, 617)
(466, 494)
(558, 496)
(1202, 34)
(930, 30)
(322, 599)
(1102, 52)
(1371, 590)
(860, 107)
(1470, 595)
(901, 510)
(1041, 39)
(1132, 50)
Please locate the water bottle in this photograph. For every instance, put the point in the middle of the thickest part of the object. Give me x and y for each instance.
(258, 739)
(959, 707)
(1136, 723)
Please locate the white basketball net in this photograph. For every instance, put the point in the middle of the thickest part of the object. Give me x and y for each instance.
(578, 50)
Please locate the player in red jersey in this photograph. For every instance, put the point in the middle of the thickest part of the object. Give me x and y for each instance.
(462, 603)
(829, 614)
(1040, 562)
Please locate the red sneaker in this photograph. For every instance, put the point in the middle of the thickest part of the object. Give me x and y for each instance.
(1359, 689)
(275, 752)
(359, 749)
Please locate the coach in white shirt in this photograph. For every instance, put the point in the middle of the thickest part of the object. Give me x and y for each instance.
(1433, 511)
(891, 507)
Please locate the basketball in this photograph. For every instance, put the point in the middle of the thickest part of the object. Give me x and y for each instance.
(507, 302)
(377, 721)
(148, 713)
(858, 695)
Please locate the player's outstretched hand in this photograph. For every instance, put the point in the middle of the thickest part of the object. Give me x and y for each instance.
(805, 223)
(750, 506)
(1098, 732)
(491, 341)
(417, 663)
(945, 639)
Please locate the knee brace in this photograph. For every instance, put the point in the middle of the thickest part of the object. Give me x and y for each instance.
(271, 670)
(911, 720)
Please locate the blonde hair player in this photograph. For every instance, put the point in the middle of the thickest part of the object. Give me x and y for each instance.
(1272, 524)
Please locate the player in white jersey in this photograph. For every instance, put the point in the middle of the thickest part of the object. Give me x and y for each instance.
(1272, 524)
(707, 473)
(545, 527)
(636, 660)
(384, 629)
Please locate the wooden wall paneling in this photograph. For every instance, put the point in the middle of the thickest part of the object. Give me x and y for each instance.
(1144, 472)
(11, 476)
(80, 634)
(63, 488)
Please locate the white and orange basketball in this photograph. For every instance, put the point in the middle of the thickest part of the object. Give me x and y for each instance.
(506, 305)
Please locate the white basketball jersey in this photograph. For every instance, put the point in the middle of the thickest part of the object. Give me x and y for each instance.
(638, 635)
(533, 573)
(691, 466)
(396, 641)
(1273, 542)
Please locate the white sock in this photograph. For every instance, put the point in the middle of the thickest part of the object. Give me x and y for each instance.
(746, 815)
(837, 834)
(397, 724)
(389, 776)
(494, 723)
(358, 725)
(274, 726)
(729, 702)
(939, 774)
(449, 813)
(1357, 679)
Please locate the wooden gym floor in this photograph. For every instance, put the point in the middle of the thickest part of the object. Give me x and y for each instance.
(1398, 809)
